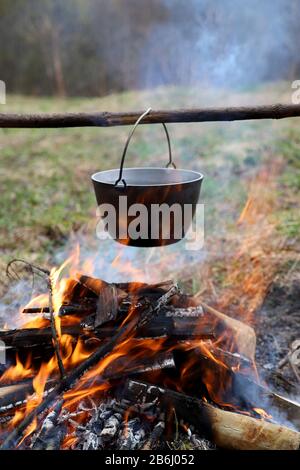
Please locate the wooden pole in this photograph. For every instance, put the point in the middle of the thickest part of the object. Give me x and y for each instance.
(106, 119)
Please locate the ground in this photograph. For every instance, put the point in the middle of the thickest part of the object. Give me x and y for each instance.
(251, 191)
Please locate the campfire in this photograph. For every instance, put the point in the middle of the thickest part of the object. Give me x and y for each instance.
(101, 365)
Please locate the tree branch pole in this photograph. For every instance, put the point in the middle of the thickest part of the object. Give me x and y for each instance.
(106, 119)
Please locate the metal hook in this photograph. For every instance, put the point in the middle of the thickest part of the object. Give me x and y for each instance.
(170, 162)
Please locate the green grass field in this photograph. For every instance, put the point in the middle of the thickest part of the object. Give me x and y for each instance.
(45, 173)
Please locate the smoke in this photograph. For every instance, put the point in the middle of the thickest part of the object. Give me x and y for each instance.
(225, 43)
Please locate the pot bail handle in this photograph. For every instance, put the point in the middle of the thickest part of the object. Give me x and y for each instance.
(170, 162)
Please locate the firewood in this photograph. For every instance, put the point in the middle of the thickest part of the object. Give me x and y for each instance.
(124, 366)
(227, 429)
(90, 305)
(31, 337)
(142, 287)
(94, 285)
(244, 335)
(35, 310)
(17, 394)
(86, 307)
(180, 327)
(107, 306)
(72, 377)
(81, 310)
(177, 329)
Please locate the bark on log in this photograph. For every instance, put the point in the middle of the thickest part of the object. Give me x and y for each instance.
(106, 119)
(226, 429)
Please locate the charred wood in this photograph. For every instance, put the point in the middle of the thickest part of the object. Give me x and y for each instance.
(107, 306)
(180, 327)
(124, 366)
(17, 394)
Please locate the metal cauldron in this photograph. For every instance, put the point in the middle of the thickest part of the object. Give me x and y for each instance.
(150, 195)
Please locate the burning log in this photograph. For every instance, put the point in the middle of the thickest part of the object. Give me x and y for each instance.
(228, 430)
(35, 310)
(124, 367)
(83, 309)
(177, 328)
(107, 306)
(102, 299)
(14, 394)
(97, 286)
(17, 394)
(173, 326)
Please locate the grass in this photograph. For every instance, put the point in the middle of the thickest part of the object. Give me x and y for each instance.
(45, 183)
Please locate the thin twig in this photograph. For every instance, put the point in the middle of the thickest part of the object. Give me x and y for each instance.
(32, 268)
(55, 338)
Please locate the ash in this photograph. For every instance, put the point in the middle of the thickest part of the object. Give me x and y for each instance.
(113, 424)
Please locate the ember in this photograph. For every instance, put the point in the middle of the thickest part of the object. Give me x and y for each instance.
(134, 366)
